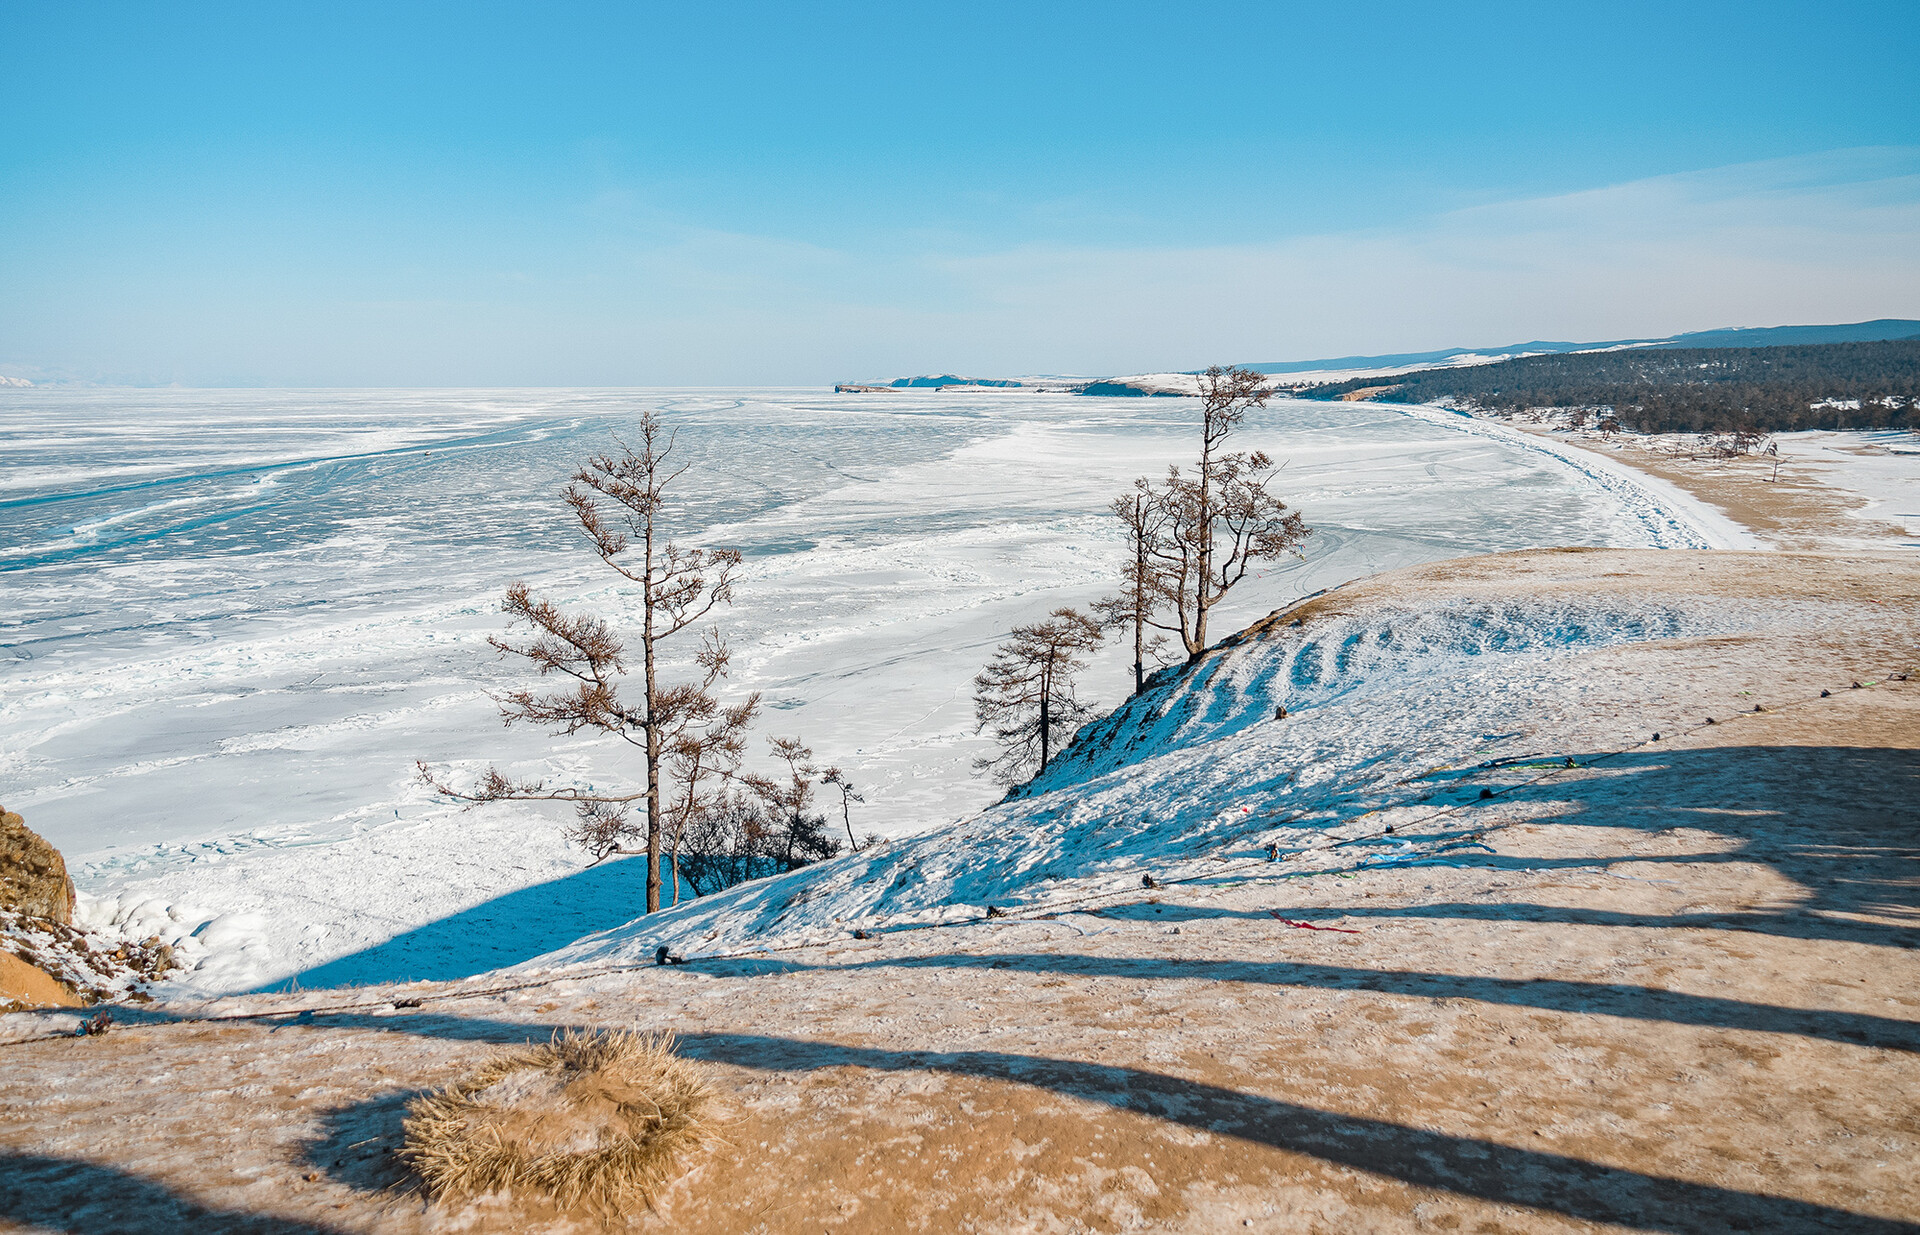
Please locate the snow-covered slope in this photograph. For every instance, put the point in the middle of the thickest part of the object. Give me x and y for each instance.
(1390, 685)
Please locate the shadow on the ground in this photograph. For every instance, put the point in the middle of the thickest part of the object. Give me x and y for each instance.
(1842, 823)
(503, 931)
(1465, 1166)
(1461, 1165)
(1619, 999)
(62, 1194)
(359, 1144)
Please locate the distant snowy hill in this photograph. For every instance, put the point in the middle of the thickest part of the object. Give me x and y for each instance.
(1337, 368)
(944, 380)
(13, 381)
(1875, 331)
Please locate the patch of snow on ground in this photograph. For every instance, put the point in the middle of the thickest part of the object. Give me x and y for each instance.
(1881, 466)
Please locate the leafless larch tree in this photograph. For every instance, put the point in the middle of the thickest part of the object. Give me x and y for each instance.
(1025, 696)
(679, 730)
(848, 795)
(1195, 535)
(1144, 587)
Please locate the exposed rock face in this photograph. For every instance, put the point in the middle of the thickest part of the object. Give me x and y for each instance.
(33, 875)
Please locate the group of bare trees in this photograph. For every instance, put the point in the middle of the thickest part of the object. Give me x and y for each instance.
(704, 820)
(758, 825)
(1191, 537)
(702, 817)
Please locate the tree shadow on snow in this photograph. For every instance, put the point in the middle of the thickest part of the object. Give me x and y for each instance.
(504, 931)
(1620, 999)
(359, 1143)
(1840, 823)
(1465, 1166)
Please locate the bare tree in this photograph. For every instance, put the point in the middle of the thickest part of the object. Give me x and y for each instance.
(682, 723)
(703, 759)
(726, 842)
(797, 830)
(838, 779)
(1025, 695)
(1143, 589)
(1210, 526)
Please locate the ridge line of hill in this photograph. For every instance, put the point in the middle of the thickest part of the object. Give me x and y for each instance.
(1874, 331)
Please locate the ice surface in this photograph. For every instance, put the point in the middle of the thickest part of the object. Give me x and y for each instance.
(234, 619)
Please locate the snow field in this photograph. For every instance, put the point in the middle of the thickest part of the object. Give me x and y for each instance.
(221, 715)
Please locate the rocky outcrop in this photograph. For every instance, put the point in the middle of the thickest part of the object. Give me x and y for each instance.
(33, 875)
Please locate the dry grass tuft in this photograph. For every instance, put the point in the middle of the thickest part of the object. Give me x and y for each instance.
(600, 1118)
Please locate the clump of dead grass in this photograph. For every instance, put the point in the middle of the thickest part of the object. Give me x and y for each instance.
(600, 1118)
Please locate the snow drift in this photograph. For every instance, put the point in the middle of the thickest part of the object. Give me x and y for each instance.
(1388, 696)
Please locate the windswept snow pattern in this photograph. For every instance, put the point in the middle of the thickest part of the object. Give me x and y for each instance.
(1385, 708)
(1346, 661)
(235, 619)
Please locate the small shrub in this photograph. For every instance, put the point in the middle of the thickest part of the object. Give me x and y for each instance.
(600, 1118)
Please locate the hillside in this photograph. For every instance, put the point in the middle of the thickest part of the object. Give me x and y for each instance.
(1395, 688)
(1691, 390)
(1522, 965)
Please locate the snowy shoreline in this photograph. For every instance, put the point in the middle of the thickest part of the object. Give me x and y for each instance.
(266, 903)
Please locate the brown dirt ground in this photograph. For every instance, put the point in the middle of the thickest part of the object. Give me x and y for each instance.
(1788, 506)
(29, 986)
(1683, 997)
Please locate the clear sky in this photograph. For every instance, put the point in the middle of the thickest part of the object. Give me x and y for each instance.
(623, 193)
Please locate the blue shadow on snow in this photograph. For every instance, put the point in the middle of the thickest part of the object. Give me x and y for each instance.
(505, 930)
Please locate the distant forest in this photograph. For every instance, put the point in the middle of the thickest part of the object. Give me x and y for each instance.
(1684, 390)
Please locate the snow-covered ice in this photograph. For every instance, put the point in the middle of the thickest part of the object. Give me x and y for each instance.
(234, 619)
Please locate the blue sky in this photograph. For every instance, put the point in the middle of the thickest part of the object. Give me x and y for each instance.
(611, 194)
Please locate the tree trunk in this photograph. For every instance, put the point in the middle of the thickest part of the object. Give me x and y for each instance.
(1139, 613)
(653, 736)
(1204, 542)
(1046, 699)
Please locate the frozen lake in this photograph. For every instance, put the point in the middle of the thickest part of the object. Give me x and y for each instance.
(234, 619)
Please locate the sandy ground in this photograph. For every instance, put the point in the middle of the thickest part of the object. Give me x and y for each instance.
(1798, 498)
(1680, 995)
